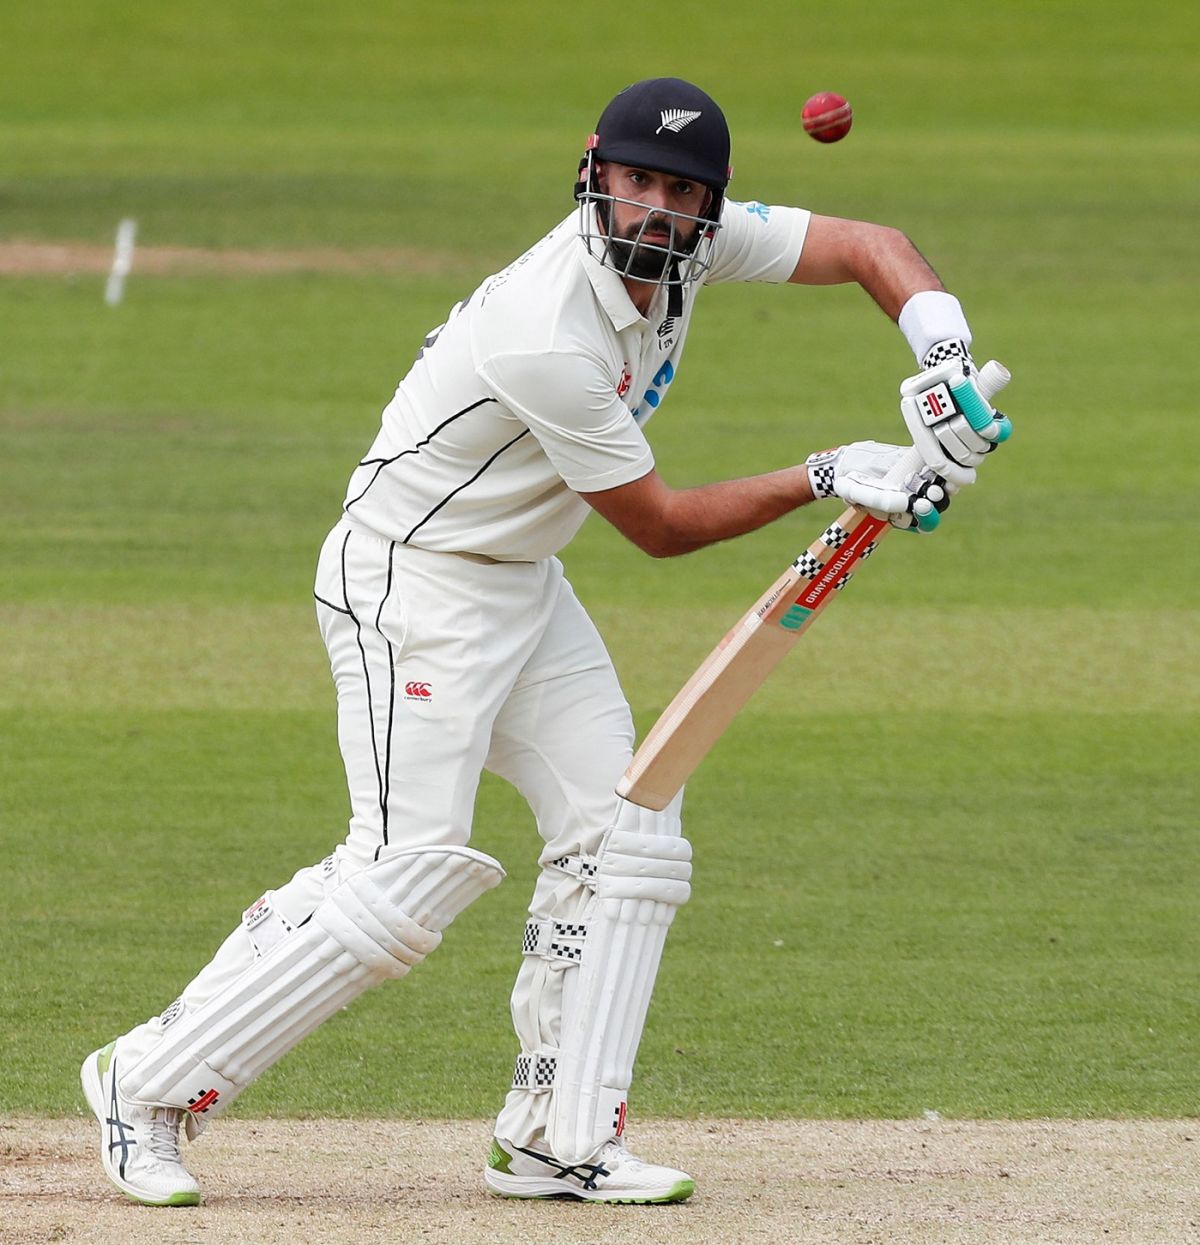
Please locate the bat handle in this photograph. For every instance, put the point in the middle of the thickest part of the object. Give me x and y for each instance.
(992, 378)
(910, 463)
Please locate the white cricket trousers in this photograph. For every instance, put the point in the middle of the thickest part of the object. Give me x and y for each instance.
(445, 665)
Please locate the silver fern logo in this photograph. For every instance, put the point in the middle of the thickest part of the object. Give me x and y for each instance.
(675, 119)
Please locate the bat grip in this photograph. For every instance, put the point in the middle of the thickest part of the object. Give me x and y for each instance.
(905, 467)
(992, 378)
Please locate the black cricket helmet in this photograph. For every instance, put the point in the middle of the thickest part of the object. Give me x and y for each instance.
(669, 126)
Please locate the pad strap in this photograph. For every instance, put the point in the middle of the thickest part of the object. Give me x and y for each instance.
(535, 1072)
(580, 867)
(265, 925)
(555, 940)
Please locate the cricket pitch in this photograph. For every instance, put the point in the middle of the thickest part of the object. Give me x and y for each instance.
(914, 1182)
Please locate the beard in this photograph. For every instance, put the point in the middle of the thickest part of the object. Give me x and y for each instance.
(650, 261)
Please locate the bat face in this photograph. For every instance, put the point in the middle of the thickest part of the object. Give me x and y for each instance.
(734, 670)
(847, 548)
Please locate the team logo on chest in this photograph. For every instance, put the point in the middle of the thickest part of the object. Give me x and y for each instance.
(666, 333)
(625, 381)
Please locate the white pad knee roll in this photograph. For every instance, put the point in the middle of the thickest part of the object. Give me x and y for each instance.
(642, 879)
(378, 923)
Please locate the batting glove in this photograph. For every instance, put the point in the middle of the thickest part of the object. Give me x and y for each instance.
(857, 474)
(951, 422)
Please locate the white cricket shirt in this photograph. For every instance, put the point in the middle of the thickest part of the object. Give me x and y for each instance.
(536, 389)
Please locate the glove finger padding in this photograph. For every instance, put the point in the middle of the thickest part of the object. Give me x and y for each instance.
(952, 423)
(929, 500)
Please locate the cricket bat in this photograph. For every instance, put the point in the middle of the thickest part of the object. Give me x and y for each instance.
(727, 678)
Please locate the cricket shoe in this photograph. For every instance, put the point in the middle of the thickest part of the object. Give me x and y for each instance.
(139, 1145)
(612, 1174)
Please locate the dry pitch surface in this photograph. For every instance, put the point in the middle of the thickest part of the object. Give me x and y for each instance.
(810, 1182)
(75, 259)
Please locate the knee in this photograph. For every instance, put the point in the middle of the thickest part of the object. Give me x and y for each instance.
(637, 865)
(391, 914)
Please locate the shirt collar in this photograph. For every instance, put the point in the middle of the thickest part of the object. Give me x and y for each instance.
(611, 291)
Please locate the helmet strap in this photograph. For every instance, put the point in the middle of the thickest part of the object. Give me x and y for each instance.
(675, 292)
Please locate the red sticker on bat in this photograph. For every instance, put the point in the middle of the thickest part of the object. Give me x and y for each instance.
(843, 561)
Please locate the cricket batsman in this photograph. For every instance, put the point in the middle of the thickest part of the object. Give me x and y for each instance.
(457, 645)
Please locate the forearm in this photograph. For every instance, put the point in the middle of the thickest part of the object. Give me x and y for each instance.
(666, 522)
(696, 517)
(884, 261)
(891, 269)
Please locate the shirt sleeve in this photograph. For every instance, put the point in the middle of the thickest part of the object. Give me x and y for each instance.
(758, 242)
(572, 408)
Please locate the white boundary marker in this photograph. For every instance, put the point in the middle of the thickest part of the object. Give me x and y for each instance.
(114, 291)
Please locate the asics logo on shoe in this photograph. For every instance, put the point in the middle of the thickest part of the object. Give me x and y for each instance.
(120, 1134)
(586, 1173)
(674, 119)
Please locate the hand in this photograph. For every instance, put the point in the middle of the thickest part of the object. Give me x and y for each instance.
(857, 473)
(948, 412)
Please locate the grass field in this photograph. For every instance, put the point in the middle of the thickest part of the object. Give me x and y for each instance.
(947, 860)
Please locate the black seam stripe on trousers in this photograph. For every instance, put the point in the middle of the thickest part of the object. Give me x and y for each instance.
(380, 770)
(385, 795)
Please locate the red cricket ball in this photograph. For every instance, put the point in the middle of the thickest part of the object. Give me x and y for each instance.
(827, 117)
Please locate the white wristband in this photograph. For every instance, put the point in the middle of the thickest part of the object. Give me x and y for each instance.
(932, 316)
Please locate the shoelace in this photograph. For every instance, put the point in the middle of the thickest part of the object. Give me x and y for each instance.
(620, 1153)
(162, 1135)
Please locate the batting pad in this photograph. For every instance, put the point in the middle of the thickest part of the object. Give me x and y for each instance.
(378, 923)
(642, 878)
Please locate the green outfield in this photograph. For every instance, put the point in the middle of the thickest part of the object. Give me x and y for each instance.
(947, 860)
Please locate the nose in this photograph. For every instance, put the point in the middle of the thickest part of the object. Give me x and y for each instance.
(658, 208)
(657, 198)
